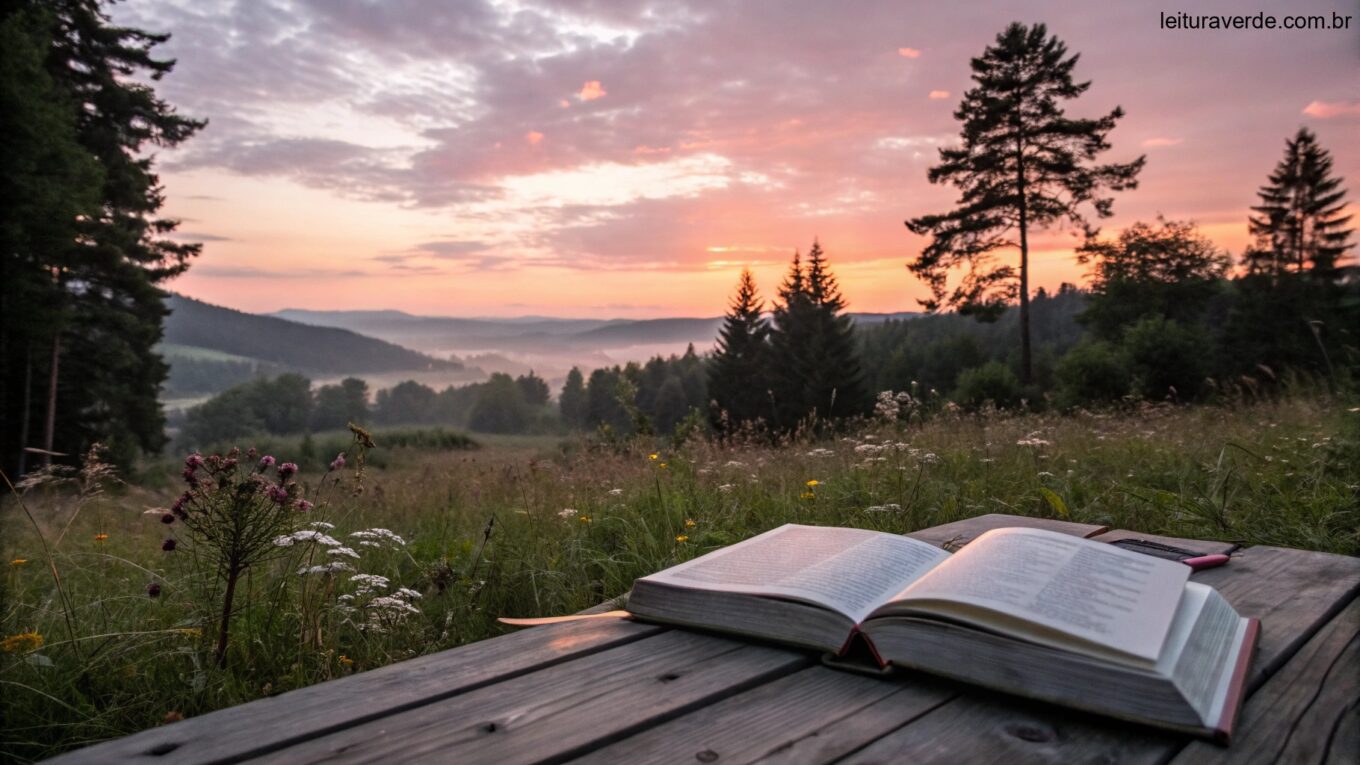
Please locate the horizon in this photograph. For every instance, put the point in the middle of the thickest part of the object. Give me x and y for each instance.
(570, 159)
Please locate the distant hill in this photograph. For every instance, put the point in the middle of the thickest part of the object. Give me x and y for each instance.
(288, 344)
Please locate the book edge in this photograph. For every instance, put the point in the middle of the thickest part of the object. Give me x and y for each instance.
(1233, 704)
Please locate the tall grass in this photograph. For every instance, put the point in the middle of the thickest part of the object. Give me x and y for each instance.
(509, 531)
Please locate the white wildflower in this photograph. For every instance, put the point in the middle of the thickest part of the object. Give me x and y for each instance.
(566, 512)
(334, 567)
(615, 492)
(322, 525)
(891, 507)
(342, 551)
(725, 488)
(371, 581)
(406, 592)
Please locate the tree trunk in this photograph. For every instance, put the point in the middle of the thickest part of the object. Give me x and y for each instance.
(50, 430)
(26, 414)
(1026, 371)
(233, 574)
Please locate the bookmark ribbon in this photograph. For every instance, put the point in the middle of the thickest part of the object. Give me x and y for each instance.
(541, 620)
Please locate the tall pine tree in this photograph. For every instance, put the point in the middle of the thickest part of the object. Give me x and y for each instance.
(1023, 164)
(1299, 226)
(740, 359)
(814, 362)
(92, 373)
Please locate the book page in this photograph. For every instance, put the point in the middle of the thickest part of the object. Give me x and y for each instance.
(1088, 590)
(851, 571)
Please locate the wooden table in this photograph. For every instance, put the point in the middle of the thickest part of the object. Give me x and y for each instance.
(619, 691)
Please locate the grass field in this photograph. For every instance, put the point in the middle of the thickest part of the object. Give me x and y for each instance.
(539, 527)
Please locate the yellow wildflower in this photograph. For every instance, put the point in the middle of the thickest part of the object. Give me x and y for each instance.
(682, 538)
(18, 561)
(24, 642)
(346, 661)
(813, 483)
(661, 465)
(584, 518)
(653, 456)
(100, 537)
(807, 495)
(190, 632)
(689, 523)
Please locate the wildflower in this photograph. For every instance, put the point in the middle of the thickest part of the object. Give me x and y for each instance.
(370, 581)
(407, 593)
(278, 493)
(342, 551)
(891, 507)
(18, 561)
(566, 512)
(615, 492)
(100, 537)
(194, 461)
(172, 716)
(168, 518)
(334, 567)
(153, 590)
(389, 603)
(346, 661)
(169, 545)
(807, 495)
(287, 470)
(689, 523)
(725, 488)
(814, 483)
(379, 535)
(682, 538)
(266, 462)
(661, 465)
(338, 463)
(24, 642)
(303, 505)
(653, 456)
(584, 519)
(321, 525)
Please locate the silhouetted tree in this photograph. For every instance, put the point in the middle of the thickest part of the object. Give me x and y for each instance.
(1023, 164)
(405, 403)
(501, 407)
(741, 359)
(335, 406)
(572, 401)
(1168, 270)
(1299, 226)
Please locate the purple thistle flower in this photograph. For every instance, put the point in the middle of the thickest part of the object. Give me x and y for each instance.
(168, 518)
(153, 590)
(304, 506)
(266, 462)
(169, 545)
(189, 476)
(287, 470)
(338, 463)
(278, 493)
(193, 461)
(178, 507)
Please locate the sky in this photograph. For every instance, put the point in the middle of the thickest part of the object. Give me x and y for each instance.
(626, 158)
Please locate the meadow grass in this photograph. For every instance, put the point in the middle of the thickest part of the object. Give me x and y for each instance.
(534, 527)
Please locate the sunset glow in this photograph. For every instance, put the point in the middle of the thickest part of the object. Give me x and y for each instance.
(561, 158)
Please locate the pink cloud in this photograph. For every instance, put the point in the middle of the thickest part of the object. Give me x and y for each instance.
(908, 53)
(939, 95)
(564, 103)
(1324, 110)
(591, 91)
(1153, 143)
(533, 137)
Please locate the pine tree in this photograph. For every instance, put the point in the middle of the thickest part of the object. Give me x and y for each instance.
(1298, 226)
(739, 359)
(92, 362)
(1023, 164)
(572, 401)
(814, 361)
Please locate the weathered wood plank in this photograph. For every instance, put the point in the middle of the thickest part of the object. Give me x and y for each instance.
(1300, 714)
(772, 717)
(247, 730)
(1201, 546)
(562, 711)
(952, 536)
(1293, 592)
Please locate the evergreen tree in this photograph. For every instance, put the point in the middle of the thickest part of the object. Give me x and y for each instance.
(93, 356)
(1298, 226)
(741, 359)
(572, 401)
(501, 407)
(814, 360)
(1023, 164)
(533, 389)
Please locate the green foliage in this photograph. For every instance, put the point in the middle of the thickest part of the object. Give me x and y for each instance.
(992, 383)
(1300, 224)
(1166, 360)
(1093, 373)
(278, 406)
(1023, 164)
(501, 406)
(572, 402)
(334, 406)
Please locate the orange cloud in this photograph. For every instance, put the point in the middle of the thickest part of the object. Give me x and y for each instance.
(533, 137)
(938, 95)
(1153, 143)
(564, 103)
(591, 91)
(1324, 110)
(908, 53)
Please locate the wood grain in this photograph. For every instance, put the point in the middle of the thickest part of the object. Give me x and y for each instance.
(1201, 546)
(240, 732)
(1306, 713)
(563, 711)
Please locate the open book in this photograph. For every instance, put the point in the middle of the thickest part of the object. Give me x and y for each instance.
(1025, 611)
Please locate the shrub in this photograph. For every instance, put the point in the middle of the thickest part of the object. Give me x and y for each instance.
(1166, 359)
(992, 382)
(1092, 373)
